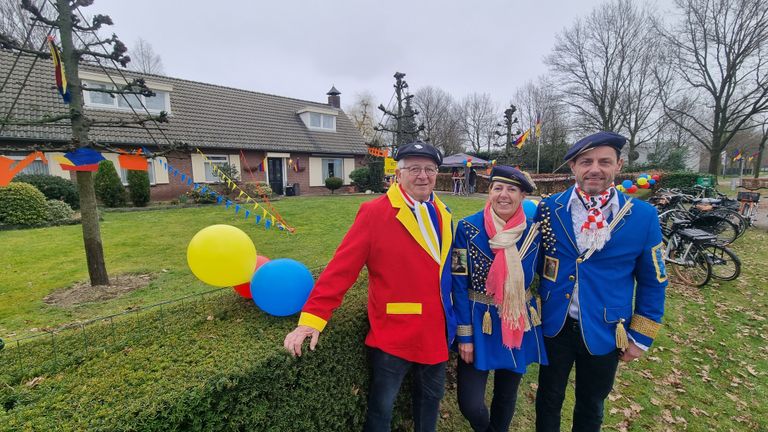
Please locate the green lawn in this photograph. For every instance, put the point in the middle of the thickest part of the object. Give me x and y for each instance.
(707, 370)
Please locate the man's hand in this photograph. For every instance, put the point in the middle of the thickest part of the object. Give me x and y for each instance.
(467, 352)
(295, 339)
(632, 352)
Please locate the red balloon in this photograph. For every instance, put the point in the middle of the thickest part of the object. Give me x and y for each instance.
(646, 186)
(633, 189)
(656, 177)
(244, 290)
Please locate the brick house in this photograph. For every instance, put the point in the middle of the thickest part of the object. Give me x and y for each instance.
(301, 142)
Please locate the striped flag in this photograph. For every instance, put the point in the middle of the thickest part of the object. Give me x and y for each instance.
(522, 139)
(61, 79)
(538, 125)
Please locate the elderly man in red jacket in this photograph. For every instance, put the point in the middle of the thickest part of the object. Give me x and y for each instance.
(404, 239)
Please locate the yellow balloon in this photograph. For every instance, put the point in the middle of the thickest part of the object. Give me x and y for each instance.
(535, 202)
(641, 181)
(222, 255)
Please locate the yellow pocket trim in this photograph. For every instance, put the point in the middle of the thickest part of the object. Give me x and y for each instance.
(404, 308)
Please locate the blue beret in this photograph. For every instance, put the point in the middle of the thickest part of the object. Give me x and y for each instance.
(513, 176)
(602, 138)
(419, 148)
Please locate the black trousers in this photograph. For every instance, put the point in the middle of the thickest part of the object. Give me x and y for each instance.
(594, 381)
(471, 394)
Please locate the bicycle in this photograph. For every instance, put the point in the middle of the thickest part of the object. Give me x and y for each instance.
(748, 205)
(684, 251)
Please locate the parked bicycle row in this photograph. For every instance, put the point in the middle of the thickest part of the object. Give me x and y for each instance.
(698, 227)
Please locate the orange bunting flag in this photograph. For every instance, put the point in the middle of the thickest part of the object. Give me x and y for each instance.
(378, 152)
(133, 162)
(7, 173)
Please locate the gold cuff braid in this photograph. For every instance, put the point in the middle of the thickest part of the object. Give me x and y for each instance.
(464, 330)
(644, 326)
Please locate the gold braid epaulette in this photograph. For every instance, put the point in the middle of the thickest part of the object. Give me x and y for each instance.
(644, 326)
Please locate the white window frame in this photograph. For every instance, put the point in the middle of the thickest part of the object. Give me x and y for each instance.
(115, 101)
(327, 122)
(150, 171)
(214, 159)
(324, 166)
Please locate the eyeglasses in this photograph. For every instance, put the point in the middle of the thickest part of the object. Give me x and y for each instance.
(416, 170)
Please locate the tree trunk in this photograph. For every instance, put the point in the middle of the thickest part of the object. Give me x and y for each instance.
(759, 160)
(94, 252)
(714, 161)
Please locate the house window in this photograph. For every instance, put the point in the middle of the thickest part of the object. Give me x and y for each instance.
(322, 121)
(155, 104)
(150, 171)
(333, 168)
(217, 160)
(36, 167)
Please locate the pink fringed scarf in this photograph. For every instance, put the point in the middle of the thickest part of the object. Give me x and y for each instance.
(506, 279)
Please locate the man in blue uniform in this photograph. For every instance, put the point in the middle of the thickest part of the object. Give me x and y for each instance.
(607, 250)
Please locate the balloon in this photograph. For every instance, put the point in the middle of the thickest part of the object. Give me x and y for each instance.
(632, 190)
(464, 162)
(644, 175)
(469, 159)
(221, 255)
(469, 164)
(642, 181)
(656, 177)
(627, 184)
(620, 188)
(529, 207)
(645, 185)
(652, 181)
(244, 290)
(281, 287)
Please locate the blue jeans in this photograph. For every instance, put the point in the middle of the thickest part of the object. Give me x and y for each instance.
(388, 372)
(594, 381)
(471, 394)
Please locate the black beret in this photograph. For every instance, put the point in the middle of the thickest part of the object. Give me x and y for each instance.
(602, 138)
(419, 148)
(513, 176)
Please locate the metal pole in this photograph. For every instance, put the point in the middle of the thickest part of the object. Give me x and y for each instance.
(538, 152)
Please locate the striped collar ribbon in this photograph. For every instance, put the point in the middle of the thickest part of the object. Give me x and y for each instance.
(428, 219)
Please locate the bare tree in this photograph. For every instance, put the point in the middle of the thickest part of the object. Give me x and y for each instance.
(70, 24)
(144, 59)
(591, 63)
(361, 112)
(761, 146)
(719, 54)
(478, 113)
(438, 113)
(16, 24)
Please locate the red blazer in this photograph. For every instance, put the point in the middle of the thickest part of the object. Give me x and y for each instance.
(407, 309)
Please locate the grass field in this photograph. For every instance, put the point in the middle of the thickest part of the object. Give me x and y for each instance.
(707, 370)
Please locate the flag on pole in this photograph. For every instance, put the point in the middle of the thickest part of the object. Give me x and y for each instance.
(737, 155)
(58, 66)
(521, 140)
(538, 125)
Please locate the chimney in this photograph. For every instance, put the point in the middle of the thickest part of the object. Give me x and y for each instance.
(333, 97)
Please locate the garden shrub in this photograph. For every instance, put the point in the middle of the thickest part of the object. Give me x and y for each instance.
(333, 183)
(684, 179)
(257, 189)
(22, 204)
(109, 187)
(198, 197)
(215, 364)
(53, 187)
(59, 211)
(361, 178)
(138, 187)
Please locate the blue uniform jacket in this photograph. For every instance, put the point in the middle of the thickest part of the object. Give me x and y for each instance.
(469, 280)
(630, 265)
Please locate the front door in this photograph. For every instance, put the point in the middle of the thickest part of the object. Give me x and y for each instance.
(275, 167)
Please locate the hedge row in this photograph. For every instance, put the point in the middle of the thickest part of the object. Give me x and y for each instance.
(215, 364)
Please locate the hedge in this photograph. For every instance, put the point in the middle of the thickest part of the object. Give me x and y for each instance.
(22, 204)
(138, 187)
(53, 187)
(109, 188)
(215, 364)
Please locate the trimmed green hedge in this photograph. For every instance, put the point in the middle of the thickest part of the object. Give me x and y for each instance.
(22, 204)
(109, 188)
(215, 364)
(53, 187)
(684, 179)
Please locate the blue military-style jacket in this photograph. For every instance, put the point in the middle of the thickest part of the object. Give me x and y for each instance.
(470, 262)
(629, 267)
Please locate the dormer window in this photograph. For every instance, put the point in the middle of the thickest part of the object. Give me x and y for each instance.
(161, 101)
(319, 119)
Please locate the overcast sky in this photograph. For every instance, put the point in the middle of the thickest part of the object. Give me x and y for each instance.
(300, 48)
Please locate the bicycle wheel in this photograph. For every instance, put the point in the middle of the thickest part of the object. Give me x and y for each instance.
(725, 264)
(733, 217)
(692, 268)
(724, 229)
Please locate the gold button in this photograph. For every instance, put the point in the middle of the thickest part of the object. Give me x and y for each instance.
(571, 278)
(579, 260)
(567, 295)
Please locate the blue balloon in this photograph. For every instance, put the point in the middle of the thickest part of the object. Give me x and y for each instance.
(645, 175)
(651, 182)
(529, 207)
(281, 287)
(627, 184)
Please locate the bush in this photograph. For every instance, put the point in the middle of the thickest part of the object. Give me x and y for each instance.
(109, 188)
(138, 187)
(53, 187)
(22, 204)
(333, 183)
(683, 179)
(198, 197)
(257, 189)
(216, 364)
(59, 211)
(361, 177)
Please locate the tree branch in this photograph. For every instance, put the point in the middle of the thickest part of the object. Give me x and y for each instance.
(40, 121)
